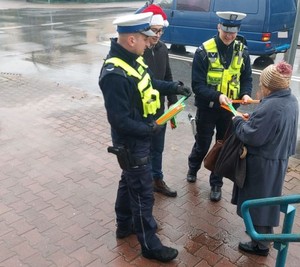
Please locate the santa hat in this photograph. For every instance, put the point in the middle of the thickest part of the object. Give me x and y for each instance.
(159, 16)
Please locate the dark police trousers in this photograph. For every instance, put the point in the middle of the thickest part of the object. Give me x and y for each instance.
(206, 122)
(135, 203)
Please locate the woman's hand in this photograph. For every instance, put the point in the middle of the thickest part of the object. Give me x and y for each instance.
(245, 116)
(246, 99)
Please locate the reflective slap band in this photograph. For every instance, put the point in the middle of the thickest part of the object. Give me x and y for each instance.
(232, 109)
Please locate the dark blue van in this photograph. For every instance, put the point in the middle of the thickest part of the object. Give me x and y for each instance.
(268, 27)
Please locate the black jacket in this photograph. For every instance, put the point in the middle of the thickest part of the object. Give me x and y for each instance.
(157, 58)
(123, 102)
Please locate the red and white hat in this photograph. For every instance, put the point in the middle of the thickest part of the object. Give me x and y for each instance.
(159, 16)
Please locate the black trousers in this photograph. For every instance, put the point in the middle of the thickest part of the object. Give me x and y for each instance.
(207, 121)
(134, 203)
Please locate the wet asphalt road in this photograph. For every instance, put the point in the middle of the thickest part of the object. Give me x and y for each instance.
(65, 45)
(68, 46)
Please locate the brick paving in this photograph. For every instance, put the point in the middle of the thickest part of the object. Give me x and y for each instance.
(58, 188)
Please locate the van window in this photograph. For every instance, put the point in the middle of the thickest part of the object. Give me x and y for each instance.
(245, 6)
(193, 5)
(165, 4)
(278, 7)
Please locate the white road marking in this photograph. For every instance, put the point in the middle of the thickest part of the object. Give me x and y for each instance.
(51, 24)
(88, 20)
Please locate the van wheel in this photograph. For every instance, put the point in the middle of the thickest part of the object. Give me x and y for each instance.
(180, 49)
(263, 61)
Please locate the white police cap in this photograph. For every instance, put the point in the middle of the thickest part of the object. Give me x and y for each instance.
(135, 23)
(230, 21)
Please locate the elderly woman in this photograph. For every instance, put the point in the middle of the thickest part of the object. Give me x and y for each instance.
(270, 134)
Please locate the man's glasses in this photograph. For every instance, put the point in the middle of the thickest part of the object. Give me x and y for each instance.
(158, 31)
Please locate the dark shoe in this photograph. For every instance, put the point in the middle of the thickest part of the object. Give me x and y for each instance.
(249, 248)
(123, 232)
(191, 177)
(215, 193)
(160, 186)
(163, 254)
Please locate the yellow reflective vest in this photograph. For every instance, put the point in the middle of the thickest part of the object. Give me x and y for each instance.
(149, 96)
(226, 81)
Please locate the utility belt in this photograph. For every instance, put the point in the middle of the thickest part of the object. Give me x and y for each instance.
(125, 158)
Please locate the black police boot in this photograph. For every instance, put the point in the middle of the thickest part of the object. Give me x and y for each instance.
(163, 254)
(191, 177)
(123, 232)
(160, 186)
(215, 193)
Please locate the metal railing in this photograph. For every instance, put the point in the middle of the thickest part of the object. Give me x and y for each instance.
(281, 241)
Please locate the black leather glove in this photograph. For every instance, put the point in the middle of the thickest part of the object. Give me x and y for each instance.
(155, 128)
(171, 103)
(183, 90)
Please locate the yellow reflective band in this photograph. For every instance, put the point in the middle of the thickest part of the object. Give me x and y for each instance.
(150, 97)
(122, 64)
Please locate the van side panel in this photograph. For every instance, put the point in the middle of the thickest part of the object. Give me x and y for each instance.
(255, 10)
(264, 16)
(186, 18)
(254, 24)
(281, 22)
(194, 21)
(168, 7)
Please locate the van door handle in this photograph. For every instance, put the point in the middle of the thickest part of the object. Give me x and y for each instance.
(172, 13)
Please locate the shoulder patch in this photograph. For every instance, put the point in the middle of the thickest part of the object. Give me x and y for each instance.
(111, 69)
(201, 51)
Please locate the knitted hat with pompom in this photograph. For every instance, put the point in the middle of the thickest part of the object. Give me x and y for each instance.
(277, 76)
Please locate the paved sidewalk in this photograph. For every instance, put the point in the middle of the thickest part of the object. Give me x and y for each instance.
(58, 188)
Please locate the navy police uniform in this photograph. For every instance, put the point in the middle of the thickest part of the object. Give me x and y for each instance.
(131, 132)
(209, 113)
(130, 129)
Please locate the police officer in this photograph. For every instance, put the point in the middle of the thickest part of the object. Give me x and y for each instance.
(131, 102)
(221, 71)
